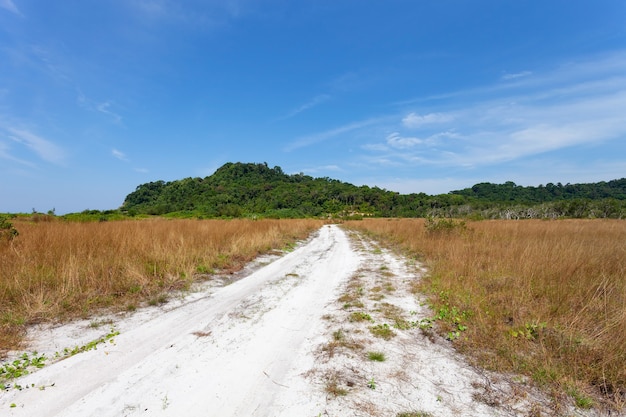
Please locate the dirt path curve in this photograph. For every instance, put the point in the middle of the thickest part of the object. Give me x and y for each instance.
(279, 342)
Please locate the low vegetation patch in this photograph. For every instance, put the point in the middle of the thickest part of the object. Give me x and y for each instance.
(341, 342)
(384, 331)
(545, 299)
(360, 316)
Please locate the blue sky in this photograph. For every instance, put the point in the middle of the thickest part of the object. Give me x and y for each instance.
(97, 97)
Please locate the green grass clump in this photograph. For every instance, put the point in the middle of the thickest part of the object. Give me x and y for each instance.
(376, 356)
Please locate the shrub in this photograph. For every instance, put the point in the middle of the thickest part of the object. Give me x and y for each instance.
(7, 231)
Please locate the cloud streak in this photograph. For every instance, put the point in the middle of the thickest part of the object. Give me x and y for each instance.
(315, 101)
(45, 149)
(509, 76)
(119, 155)
(326, 135)
(99, 107)
(10, 6)
(5, 154)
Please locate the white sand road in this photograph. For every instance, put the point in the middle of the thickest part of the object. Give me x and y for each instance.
(260, 347)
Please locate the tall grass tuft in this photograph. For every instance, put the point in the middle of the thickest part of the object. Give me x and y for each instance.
(59, 270)
(546, 299)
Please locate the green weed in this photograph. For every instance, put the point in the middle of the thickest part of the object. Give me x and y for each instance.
(21, 366)
(530, 331)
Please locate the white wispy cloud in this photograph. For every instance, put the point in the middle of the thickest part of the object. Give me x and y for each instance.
(104, 107)
(319, 99)
(45, 149)
(398, 141)
(402, 142)
(119, 155)
(10, 6)
(578, 104)
(6, 154)
(512, 76)
(323, 136)
(414, 120)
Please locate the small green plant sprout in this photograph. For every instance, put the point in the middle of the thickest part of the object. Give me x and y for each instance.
(371, 384)
(376, 356)
(530, 331)
(339, 335)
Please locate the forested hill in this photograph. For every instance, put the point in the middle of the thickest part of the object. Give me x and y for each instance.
(238, 189)
(247, 189)
(509, 191)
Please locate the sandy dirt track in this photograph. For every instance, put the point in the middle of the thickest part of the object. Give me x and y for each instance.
(261, 346)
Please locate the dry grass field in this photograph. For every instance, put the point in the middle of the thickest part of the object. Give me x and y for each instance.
(544, 299)
(58, 270)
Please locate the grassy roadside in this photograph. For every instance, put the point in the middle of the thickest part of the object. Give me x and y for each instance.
(546, 299)
(59, 270)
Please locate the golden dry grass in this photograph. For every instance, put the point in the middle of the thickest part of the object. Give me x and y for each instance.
(61, 270)
(546, 299)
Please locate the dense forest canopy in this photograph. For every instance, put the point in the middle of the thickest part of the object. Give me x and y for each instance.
(509, 191)
(252, 189)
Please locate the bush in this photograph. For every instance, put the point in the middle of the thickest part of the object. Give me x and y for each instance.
(7, 231)
(441, 225)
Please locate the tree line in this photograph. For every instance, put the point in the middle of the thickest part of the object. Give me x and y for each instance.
(255, 189)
